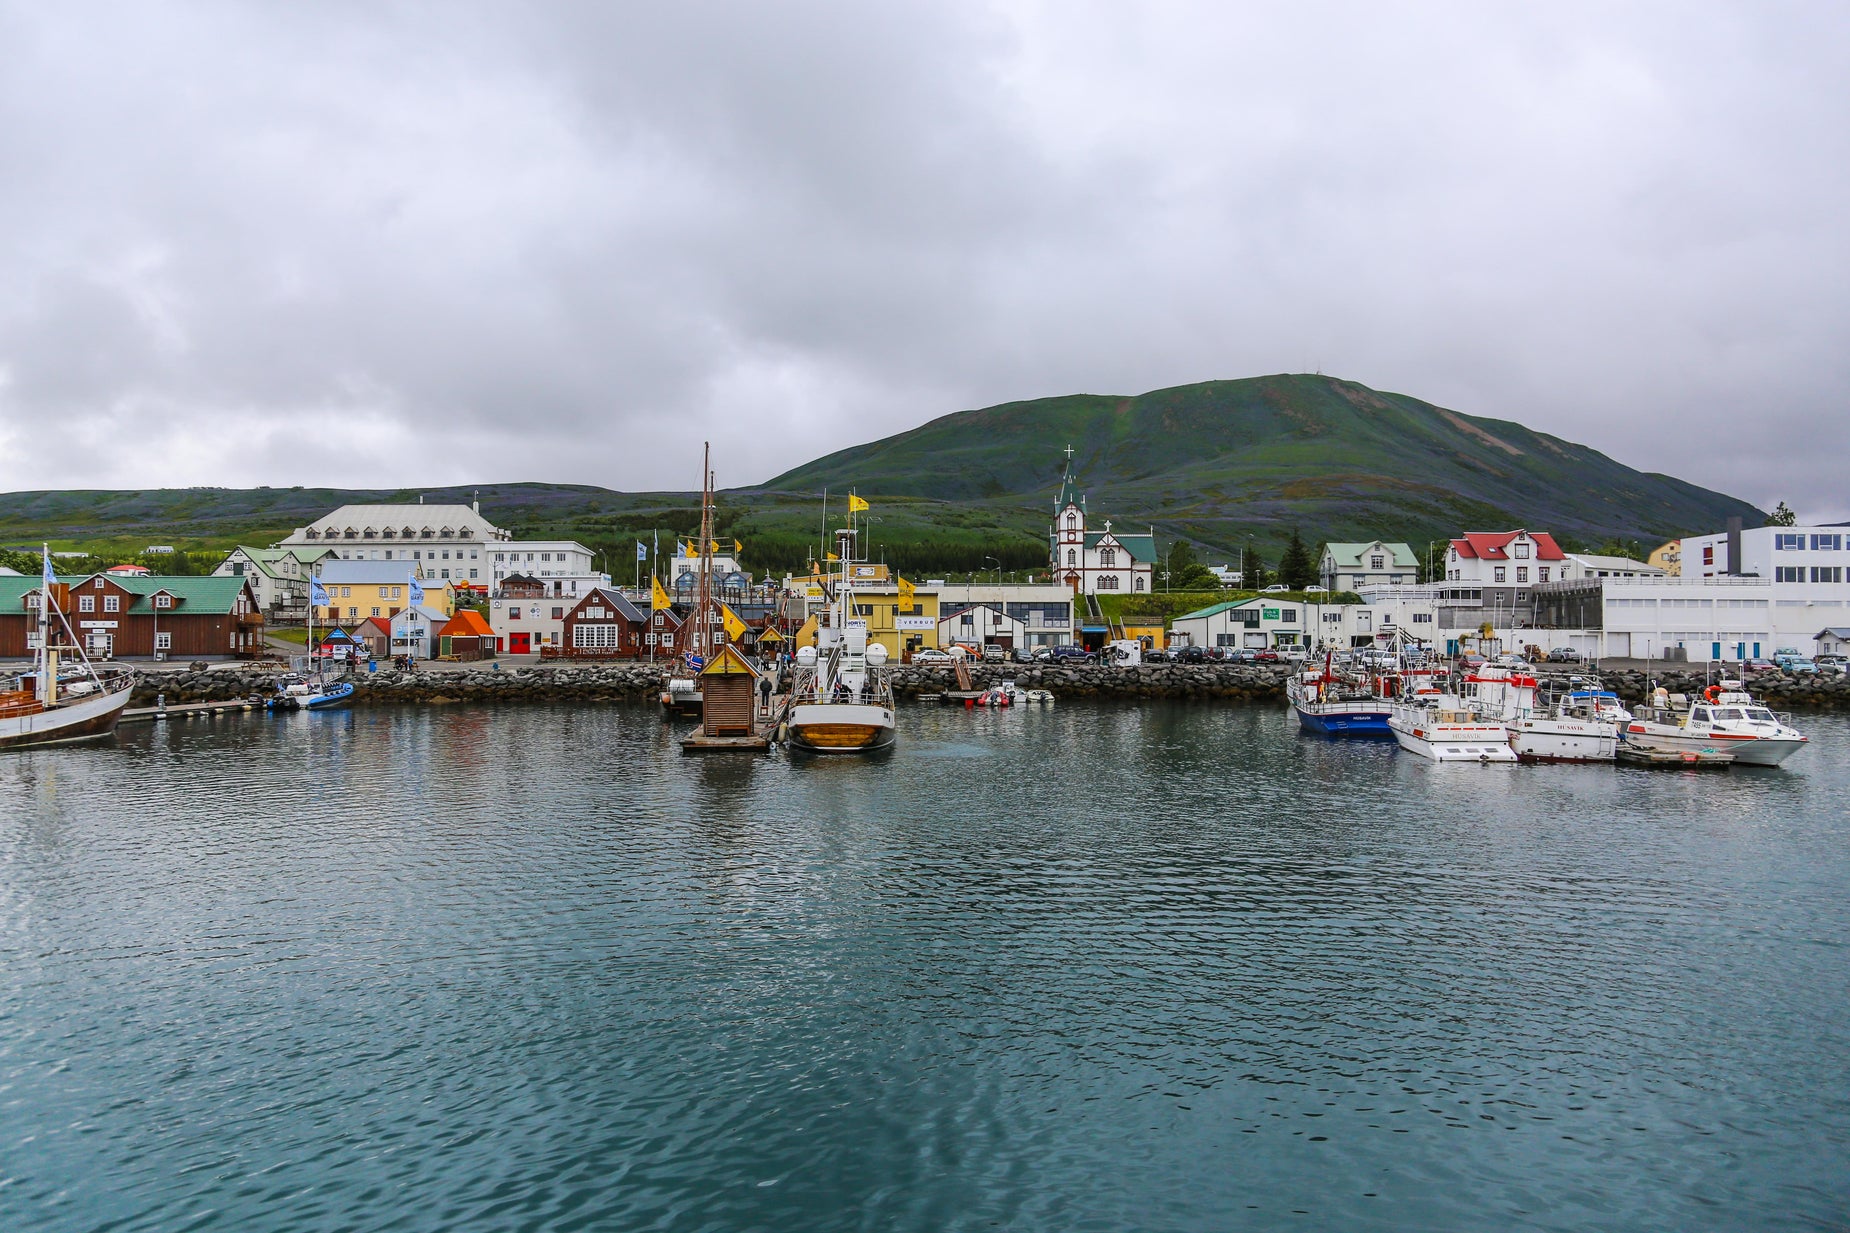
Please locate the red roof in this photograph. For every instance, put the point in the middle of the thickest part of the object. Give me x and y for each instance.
(382, 624)
(467, 623)
(1494, 546)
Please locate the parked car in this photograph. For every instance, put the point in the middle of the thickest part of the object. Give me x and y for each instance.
(994, 654)
(1021, 655)
(1267, 656)
(1829, 663)
(1275, 588)
(1474, 661)
(931, 657)
(1192, 655)
(1243, 655)
(1760, 664)
(1158, 655)
(1564, 655)
(1316, 590)
(1071, 651)
(1296, 654)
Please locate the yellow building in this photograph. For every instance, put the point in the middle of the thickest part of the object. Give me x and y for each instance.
(355, 601)
(1668, 557)
(1147, 630)
(900, 628)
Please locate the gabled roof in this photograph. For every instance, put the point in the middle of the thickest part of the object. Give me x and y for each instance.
(1835, 631)
(1211, 610)
(1069, 490)
(467, 623)
(209, 593)
(431, 616)
(382, 624)
(1141, 545)
(1593, 560)
(1349, 556)
(1494, 545)
(458, 518)
(612, 598)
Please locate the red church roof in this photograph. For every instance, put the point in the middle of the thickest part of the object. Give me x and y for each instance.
(1494, 546)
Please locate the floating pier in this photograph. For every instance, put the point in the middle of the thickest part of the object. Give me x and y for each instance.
(186, 710)
(1658, 755)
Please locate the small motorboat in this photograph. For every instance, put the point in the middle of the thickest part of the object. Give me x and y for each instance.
(330, 695)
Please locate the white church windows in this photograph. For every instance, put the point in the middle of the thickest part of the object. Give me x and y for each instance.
(1108, 582)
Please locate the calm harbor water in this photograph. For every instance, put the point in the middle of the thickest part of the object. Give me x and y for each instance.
(1164, 967)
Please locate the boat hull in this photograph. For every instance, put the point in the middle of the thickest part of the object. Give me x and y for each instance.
(1451, 742)
(87, 719)
(1334, 719)
(1564, 740)
(1747, 750)
(340, 695)
(840, 727)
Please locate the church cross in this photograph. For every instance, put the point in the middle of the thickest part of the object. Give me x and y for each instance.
(1069, 453)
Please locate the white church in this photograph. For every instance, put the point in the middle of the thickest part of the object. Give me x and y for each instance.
(1096, 562)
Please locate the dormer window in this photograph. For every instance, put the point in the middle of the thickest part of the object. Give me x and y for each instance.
(313, 534)
(1377, 563)
(369, 533)
(1522, 550)
(429, 534)
(163, 601)
(390, 533)
(352, 534)
(465, 533)
(448, 534)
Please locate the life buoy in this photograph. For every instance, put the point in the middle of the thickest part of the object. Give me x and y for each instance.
(1712, 693)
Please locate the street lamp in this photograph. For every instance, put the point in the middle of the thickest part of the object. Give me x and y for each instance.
(998, 565)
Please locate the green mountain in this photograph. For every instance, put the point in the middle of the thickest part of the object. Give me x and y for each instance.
(1217, 463)
(1222, 460)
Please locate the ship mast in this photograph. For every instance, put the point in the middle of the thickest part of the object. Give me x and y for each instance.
(704, 623)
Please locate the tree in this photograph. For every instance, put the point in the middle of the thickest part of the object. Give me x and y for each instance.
(1252, 570)
(1295, 569)
(1782, 517)
(1183, 572)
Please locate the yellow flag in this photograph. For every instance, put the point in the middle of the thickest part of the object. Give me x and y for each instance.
(855, 504)
(714, 545)
(737, 548)
(658, 598)
(833, 557)
(905, 592)
(735, 628)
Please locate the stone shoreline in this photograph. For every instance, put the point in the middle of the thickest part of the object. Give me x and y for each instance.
(620, 682)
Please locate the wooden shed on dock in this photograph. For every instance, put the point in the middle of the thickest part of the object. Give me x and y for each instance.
(729, 692)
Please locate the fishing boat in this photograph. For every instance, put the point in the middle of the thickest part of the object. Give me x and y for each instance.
(1725, 718)
(1331, 702)
(1576, 720)
(1472, 725)
(840, 699)
(45, 707)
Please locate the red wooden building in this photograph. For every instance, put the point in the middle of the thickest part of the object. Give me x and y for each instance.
(602, 625)
(126, 615)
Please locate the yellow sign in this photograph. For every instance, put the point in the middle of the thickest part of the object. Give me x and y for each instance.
(855, 504)
(905, 593)
(658, 598)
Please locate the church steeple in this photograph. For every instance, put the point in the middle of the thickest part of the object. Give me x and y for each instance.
(1069, 488)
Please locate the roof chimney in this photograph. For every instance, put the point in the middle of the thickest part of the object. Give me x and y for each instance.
(476, 504)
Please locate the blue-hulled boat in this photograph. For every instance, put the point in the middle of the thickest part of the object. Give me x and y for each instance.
(332, 695)
(1330, 704)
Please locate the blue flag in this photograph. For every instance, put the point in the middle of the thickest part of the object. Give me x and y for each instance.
(416, 592)
(317, 594)
(642, 551)
(46, 572)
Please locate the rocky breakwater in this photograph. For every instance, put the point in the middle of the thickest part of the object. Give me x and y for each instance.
(588, 683)
(1779, 690)
(1232, 681)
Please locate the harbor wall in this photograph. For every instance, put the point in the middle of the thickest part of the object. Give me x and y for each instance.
(617, 682)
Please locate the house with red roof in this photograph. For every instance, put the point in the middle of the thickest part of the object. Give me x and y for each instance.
(1505, 559)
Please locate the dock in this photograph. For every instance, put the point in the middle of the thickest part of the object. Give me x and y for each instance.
(1657, 755)
(186, 710)
(700, 742)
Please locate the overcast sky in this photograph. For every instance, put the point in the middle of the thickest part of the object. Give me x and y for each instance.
(375, 244)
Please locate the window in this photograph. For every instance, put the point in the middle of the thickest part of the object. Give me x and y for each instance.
(1377, 562)
(558, 613)
(545, 556)
(375, 610)
(163, 641)
(1541, 574)
(1827, 573)
(1289, 616)
(1522, 552)
(1107, 556)
(1708, 554)
(1827, 543)
(1497, 574)
(112, 603)
(163, 601)
(1522, 573)
(594, 637)
(513, 614)
(1108, 583)
(1072, 557)
(353, 614)
(667, 639)
(86, 603)
(472, 573)
(346, 592)
(1788, 573)
(445, 573)
(1422, 618)
(1788, 543)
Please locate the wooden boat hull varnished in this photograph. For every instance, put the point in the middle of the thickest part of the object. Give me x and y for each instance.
(85, 719)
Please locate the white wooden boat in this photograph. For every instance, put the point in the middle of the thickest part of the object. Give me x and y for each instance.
(840, 700)
(1724, 719)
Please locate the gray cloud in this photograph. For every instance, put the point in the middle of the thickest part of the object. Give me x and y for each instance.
(448, 243)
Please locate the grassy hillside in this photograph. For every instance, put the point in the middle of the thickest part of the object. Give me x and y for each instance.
(1216, 463)
(1224, 459)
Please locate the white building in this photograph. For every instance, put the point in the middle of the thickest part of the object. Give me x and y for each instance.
(1593, 565)
(1790, 556)
(543, 558)
(524, 624)
(1378, 563)
(981, 625)
(278, 576)
(414, 631)
(1096, 562)
(1268, 622)
(448, 542)
(1044, 613)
